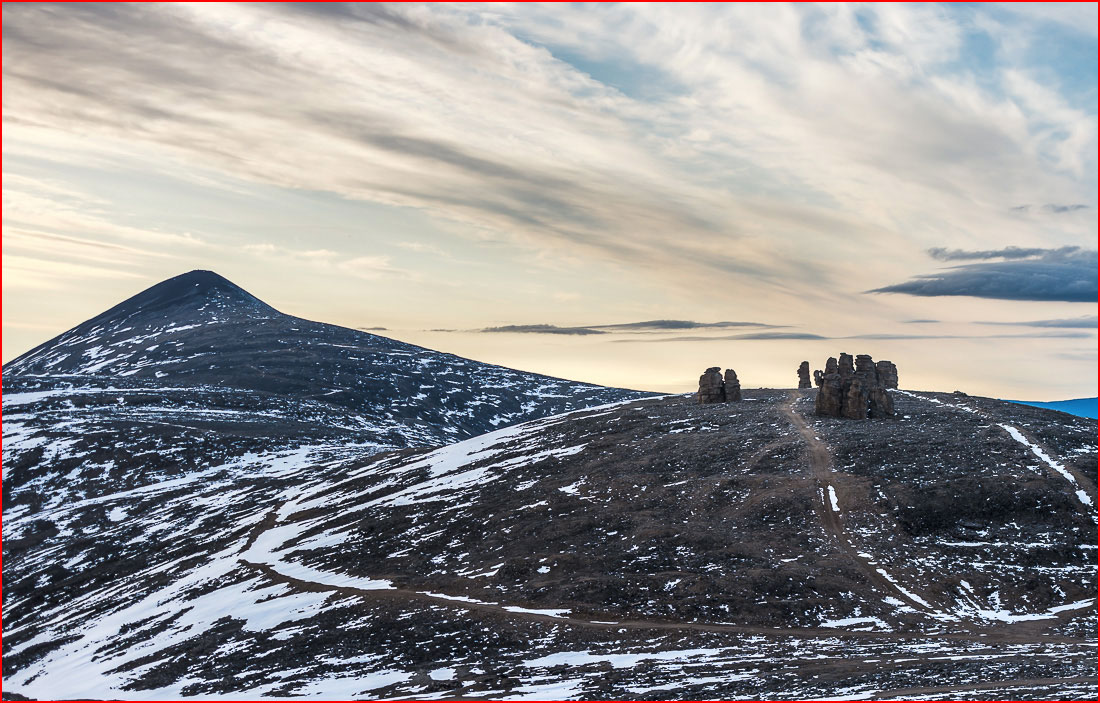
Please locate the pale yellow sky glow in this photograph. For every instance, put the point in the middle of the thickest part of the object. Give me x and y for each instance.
(460, 167)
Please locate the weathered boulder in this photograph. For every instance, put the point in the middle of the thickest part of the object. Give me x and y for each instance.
(887, 374)
(855, 388)
(804, 375)
(733, 386)
(711, 387)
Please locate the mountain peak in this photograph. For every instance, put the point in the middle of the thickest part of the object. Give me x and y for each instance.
(195, 291)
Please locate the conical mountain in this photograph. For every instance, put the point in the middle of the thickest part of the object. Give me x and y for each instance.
(200, 331)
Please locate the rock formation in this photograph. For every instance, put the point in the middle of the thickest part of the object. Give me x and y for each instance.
(819, 377)
(888, 374)
(711, 387)
(733, 386)
(855, 389)
(804, 375)
(714, 388)
(844, 366)
(829, 395)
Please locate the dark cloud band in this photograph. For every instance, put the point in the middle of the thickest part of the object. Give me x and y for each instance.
(1065, 275)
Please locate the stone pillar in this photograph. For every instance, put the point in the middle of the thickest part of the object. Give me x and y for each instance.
(733, 386)
(804, 375)
(711, 388)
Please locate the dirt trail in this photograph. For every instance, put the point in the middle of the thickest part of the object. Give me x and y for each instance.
(821, 466)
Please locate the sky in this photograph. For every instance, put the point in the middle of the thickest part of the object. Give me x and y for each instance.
(620, 194)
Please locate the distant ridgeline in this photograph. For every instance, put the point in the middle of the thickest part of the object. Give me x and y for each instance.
(1081, 407)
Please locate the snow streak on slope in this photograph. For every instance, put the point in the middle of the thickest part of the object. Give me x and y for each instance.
(1019, 437)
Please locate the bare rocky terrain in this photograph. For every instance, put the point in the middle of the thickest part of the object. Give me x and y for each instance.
(626, 547)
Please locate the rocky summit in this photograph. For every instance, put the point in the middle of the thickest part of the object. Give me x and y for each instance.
(233, 534)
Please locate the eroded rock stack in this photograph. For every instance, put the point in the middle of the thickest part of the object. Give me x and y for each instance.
(855, 389)
(819, 377)
(804, 375)
(716, 388)
(733, 386)
(711, 387)
(888, 374)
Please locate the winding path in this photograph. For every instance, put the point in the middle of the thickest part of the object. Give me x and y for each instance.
(821, 466)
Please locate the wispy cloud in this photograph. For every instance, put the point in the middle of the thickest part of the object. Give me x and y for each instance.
(875, 336)
(1086, 322)
(1052, 208)
(543, 329)
(773, 129)
(647, 326)
(326, 260)
(944, 254)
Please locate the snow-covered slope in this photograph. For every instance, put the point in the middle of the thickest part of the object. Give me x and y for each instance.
(645, 549)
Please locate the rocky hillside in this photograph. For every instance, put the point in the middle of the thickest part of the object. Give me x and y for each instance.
(651, 548)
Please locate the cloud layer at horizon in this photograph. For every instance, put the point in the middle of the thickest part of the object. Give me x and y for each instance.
(463, 166)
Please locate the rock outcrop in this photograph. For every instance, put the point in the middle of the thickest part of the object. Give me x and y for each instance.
(733, 386)
(711, 387)
(819, 377)
(804, 375)
(855, 389)
(888, 374)
(716, 388)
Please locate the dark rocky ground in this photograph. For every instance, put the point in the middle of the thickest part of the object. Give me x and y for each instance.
(652, 549)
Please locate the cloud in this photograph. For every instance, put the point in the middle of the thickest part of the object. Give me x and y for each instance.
(794, 130)
(919, 322)
(878, 337)
(543, 329)
(1067, 274)
(1086, 322)
(663, 325)
(647, 326)
(751, 336)
(331, 262)
(943, 254)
